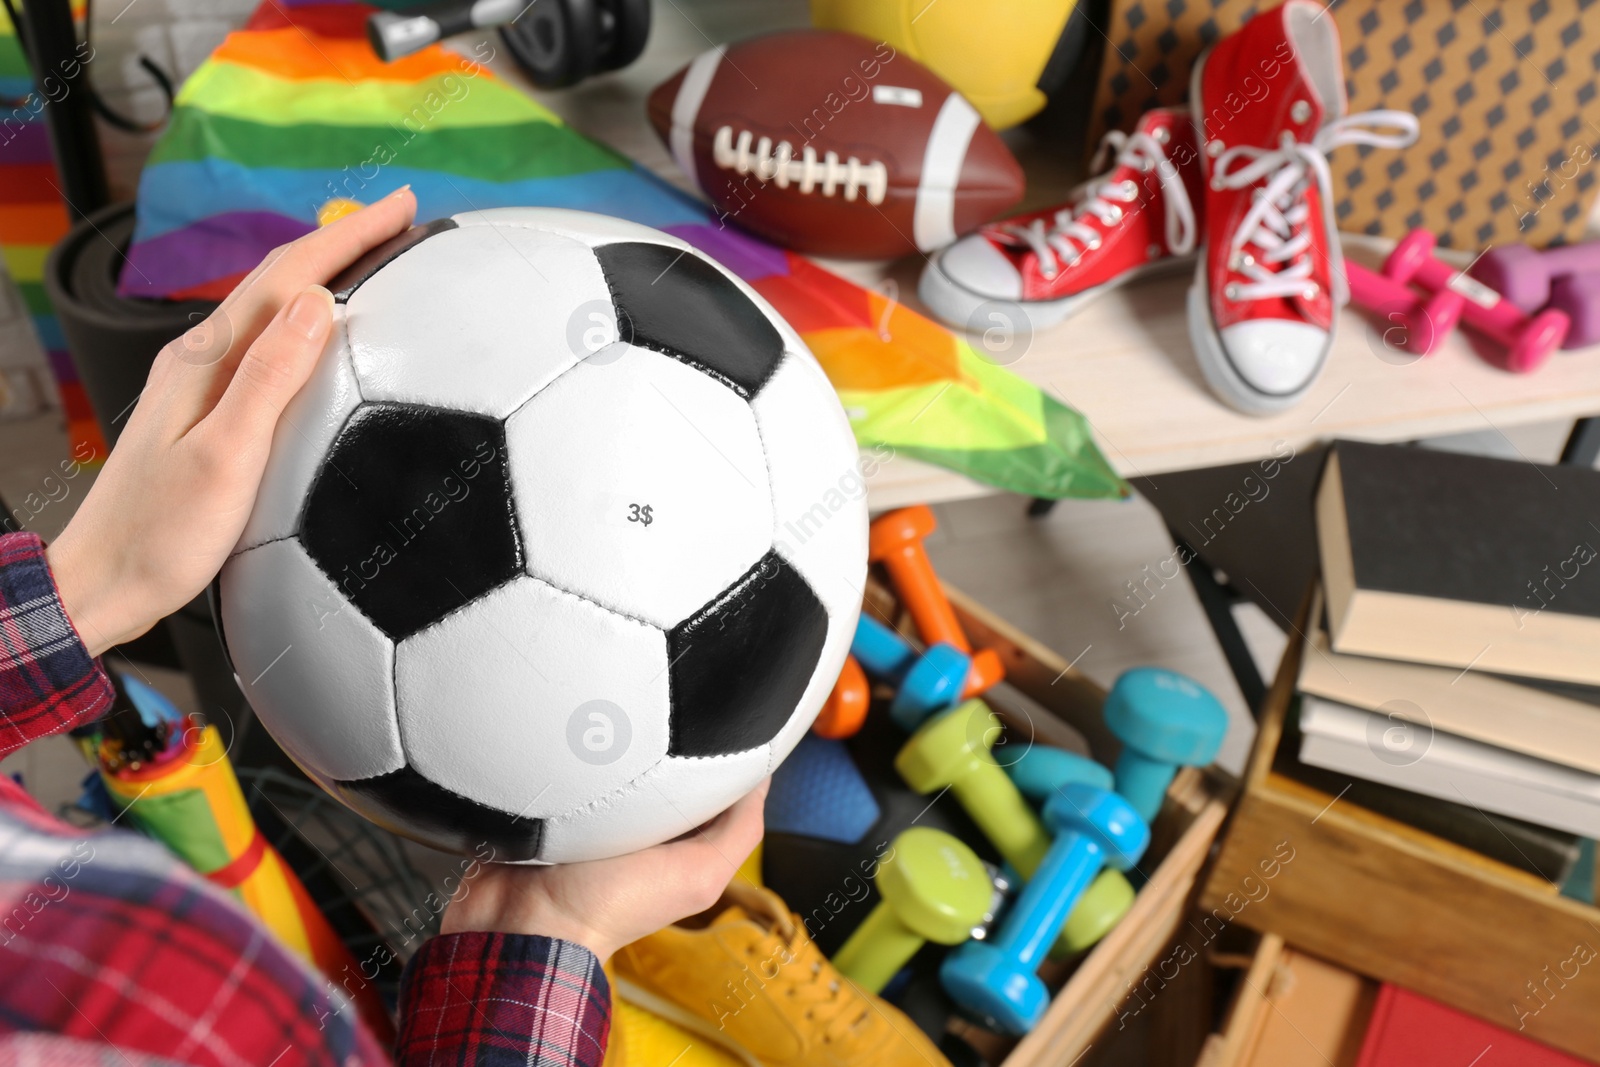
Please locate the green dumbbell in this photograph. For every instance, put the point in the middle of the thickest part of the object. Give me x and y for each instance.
(952, 751)
(934, 888)
(1096, 914)
(1039, 771)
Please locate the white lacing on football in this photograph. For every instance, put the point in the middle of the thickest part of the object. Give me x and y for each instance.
(1064, 240)
(1269, 247)
(777, 163)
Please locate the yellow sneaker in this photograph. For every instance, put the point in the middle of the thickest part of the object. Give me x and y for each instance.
(640, 1039)
(746, 975)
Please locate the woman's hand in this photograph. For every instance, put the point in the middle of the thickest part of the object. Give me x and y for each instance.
(605, 904)
(174, 495)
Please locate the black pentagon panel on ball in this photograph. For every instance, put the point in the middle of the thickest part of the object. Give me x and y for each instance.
(678, 304)
(404, 799)
(411, 514)
(350, 279)
(740, 664)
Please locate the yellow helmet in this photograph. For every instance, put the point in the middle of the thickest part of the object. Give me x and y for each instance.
(1004, 57)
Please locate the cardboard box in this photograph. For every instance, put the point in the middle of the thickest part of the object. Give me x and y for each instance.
(1508, 96)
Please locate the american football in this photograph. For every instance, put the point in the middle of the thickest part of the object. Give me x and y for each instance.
(519, 581)
(850, 149)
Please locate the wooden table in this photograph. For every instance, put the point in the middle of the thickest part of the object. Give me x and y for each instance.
(1125, 362)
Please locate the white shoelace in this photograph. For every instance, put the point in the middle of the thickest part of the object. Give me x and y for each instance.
(1064, 240)
(1276, 224)
(777, 163)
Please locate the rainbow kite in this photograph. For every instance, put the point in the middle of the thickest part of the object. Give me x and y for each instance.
(32, 218)
(295, 110)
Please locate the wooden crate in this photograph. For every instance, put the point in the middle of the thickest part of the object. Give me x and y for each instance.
(1291, 1009)
(1385, 900)
(1092, 992)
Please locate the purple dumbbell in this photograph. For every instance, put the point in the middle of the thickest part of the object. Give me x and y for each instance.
(1578, 297)
(1525, 276)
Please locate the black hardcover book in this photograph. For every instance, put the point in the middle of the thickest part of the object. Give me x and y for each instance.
(1461, 560)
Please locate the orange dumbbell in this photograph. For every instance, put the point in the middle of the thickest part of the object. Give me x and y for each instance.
(846, 707)
(986, 672)
(895, 540)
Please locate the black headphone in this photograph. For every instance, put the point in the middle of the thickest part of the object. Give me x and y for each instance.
(557, 43)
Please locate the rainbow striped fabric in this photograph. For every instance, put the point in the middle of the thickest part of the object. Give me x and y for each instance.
(32, 218)
(294, 110)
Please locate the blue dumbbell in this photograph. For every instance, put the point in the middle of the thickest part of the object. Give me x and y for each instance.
(927, 683)
(1040, 770)
(1037, 772)
(995, 979)
(1165, 720)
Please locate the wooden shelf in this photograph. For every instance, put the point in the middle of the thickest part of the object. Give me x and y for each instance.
(1125, 361)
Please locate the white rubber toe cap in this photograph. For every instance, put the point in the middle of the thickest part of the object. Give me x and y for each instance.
(1274, 356)
(978, 266)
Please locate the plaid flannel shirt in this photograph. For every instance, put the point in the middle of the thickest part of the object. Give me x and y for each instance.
(113, 952)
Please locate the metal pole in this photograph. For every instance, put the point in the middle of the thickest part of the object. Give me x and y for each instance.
(60, 78)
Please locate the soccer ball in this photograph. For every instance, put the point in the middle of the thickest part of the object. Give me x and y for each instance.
(559, 551)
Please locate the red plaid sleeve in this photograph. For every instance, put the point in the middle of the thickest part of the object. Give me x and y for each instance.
(48, 681)
(492, 999)
(105, 940)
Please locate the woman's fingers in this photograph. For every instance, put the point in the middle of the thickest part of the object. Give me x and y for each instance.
(270, 373)
(708, 859)
(196, 368)
(739, 828)
(318, 256)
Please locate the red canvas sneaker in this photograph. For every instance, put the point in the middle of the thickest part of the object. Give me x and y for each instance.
(1269, 104)
(1135, 219)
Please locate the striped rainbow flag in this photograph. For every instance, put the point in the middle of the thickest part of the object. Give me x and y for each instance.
(294, 110)
(32, 218)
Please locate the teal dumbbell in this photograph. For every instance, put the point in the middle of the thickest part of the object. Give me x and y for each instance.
(1040, 770)
(1165, 720)
(996, 979)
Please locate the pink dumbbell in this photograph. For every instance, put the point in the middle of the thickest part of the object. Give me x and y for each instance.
(1528, 340)
(1423, 324)
(1578, 297)
(1524, 275)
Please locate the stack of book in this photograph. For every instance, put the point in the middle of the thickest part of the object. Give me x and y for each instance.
(1451, 678)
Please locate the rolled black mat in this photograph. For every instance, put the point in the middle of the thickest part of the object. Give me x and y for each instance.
(112, 339)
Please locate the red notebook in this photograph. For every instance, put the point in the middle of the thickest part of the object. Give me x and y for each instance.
(1409, 1030)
